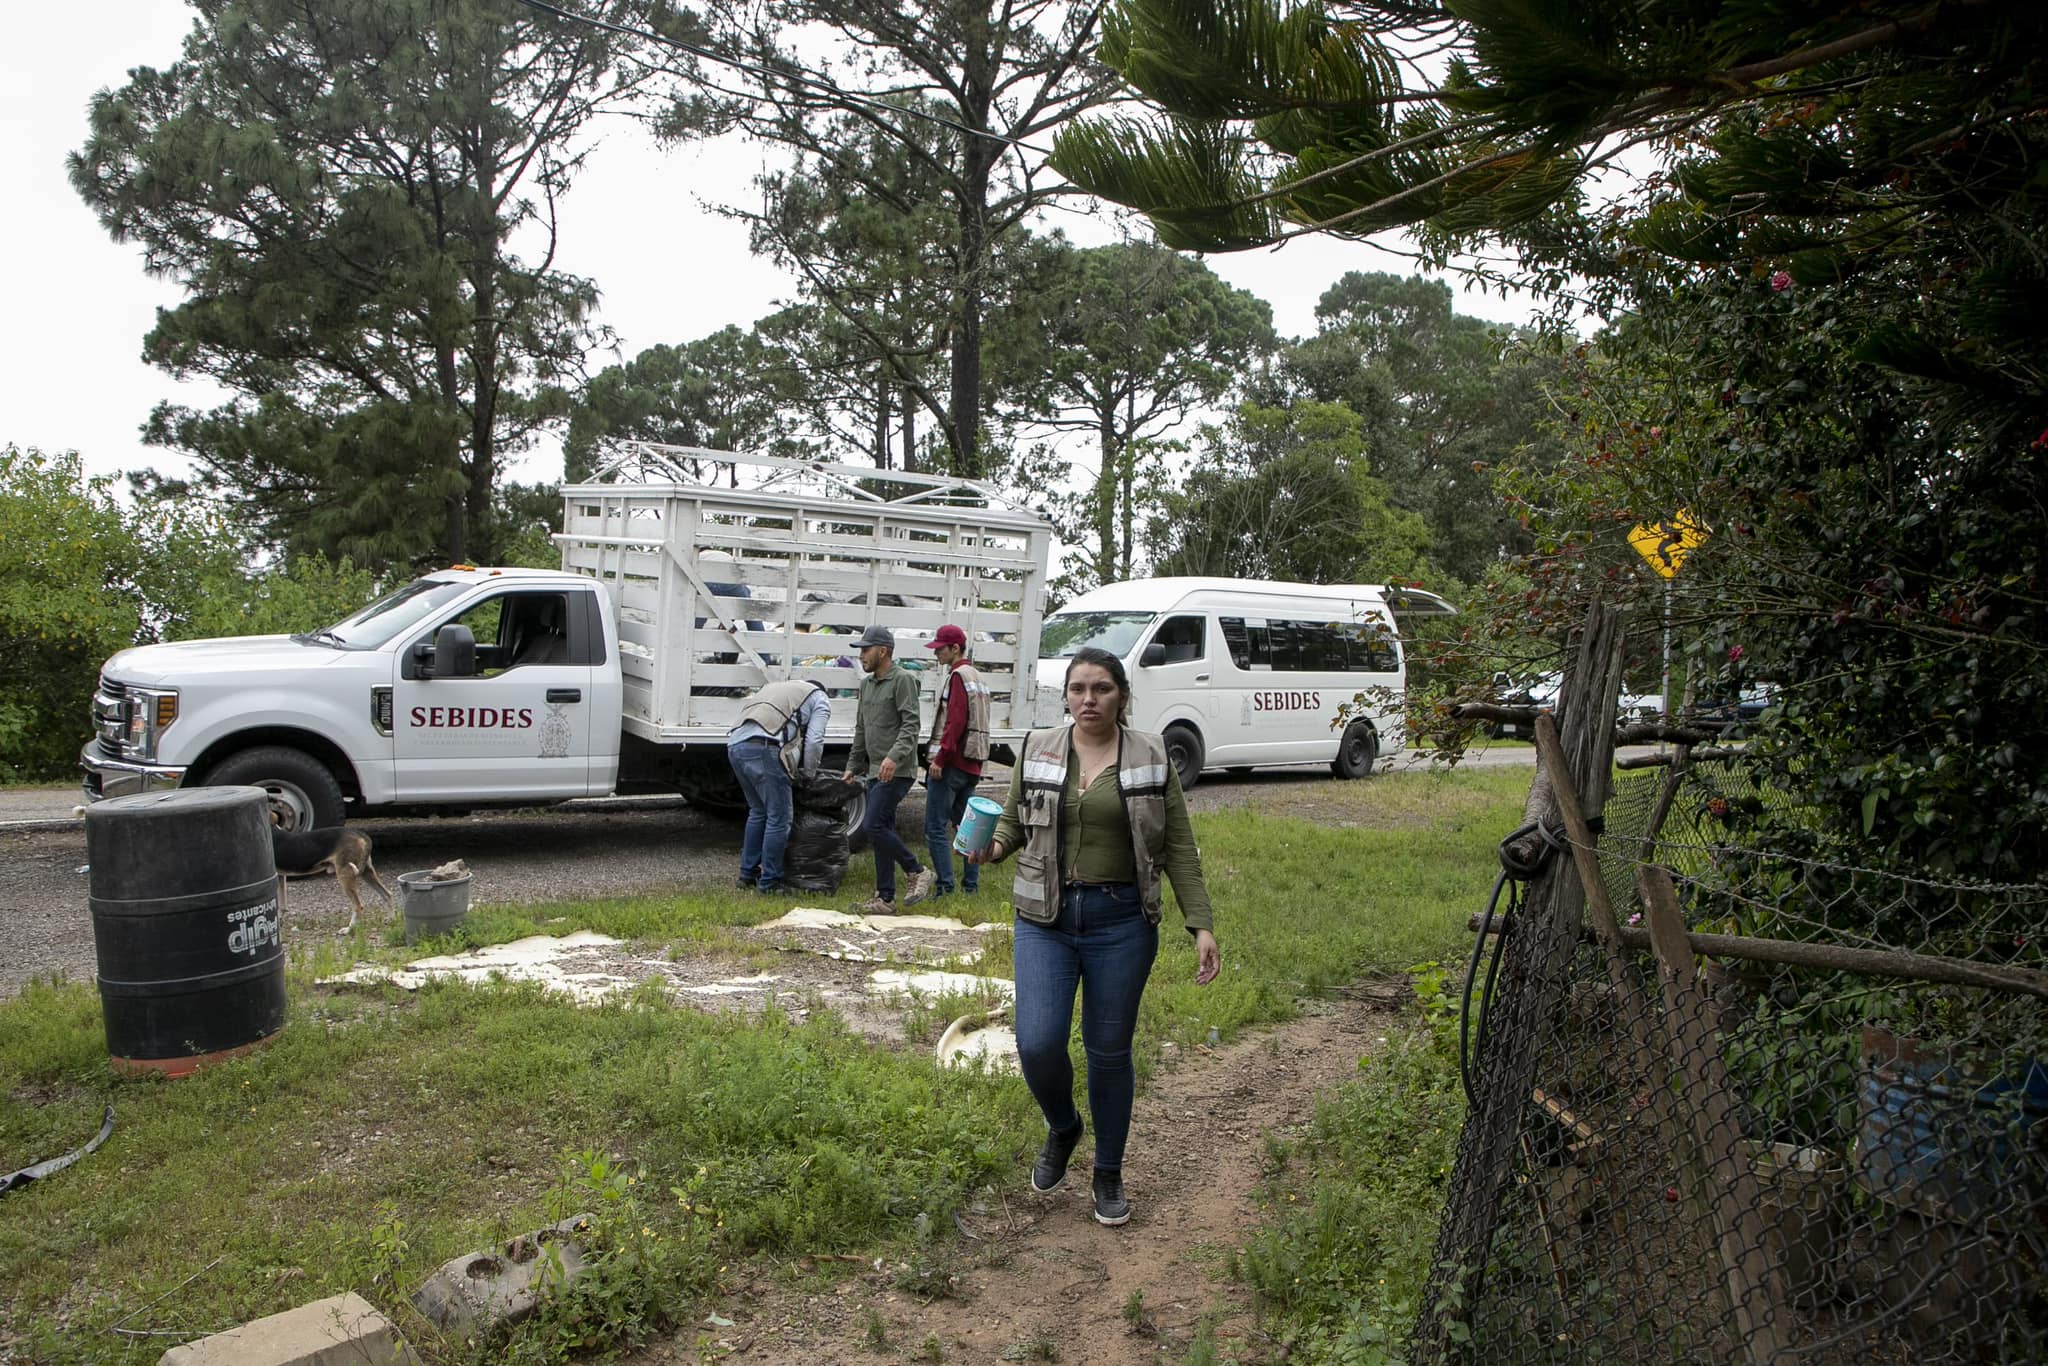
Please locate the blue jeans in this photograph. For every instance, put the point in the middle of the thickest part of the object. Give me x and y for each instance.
(1103, 944)
(758, 766)
(891, 852)
(945, 801)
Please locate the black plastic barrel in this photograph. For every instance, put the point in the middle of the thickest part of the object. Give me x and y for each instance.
(185, 926)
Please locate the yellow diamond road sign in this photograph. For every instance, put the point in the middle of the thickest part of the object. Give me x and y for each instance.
(1666, 544)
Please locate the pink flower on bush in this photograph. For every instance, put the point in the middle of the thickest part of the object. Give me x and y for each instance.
(1781, 280)
(1734, 653)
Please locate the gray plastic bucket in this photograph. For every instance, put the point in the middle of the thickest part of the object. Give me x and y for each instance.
(432, 906)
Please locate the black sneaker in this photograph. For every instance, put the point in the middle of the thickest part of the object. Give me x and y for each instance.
(1051, 1167)
(744, 884)
(1110, 1206)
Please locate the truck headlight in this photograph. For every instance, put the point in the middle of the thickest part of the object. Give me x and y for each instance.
(150, 713)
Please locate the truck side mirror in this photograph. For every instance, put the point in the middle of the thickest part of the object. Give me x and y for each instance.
(1154, 654)
(452, 655)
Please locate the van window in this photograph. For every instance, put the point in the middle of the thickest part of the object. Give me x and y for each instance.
(1371, 647)
(1250, 648)
(1236, 640)
(1309, 646)
(1290, 645)
(1116, 632)
(1323, 646)
(1182, 637)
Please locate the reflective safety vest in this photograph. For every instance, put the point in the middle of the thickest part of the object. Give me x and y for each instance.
(774, 708)
(1140, 778)
(974, 744)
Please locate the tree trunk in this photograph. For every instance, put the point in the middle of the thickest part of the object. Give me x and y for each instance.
(488, 233)
(909, 430)
(1105, 503)
(978, 155)
(455, 528)
(481, 467)
(880, 451)
(1127, 475)
(965, 410)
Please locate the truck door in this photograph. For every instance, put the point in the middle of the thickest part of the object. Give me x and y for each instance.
(519, 728)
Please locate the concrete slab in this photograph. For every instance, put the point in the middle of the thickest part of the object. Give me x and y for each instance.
(479, 1291)
(343, 1330)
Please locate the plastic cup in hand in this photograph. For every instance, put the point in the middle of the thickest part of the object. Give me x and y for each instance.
(978, 825)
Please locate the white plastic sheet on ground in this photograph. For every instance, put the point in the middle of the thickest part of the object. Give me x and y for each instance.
(588, 967)
(930, 983)
(577, 965)
(873, 938)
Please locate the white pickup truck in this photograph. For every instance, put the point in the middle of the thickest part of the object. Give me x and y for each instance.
(620, 672)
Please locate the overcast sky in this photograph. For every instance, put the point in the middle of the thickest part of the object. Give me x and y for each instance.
(637, 223)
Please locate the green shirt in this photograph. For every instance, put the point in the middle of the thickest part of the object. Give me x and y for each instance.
(1095, 838)
(885, 724)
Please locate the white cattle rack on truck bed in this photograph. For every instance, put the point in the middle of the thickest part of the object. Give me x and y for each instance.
(720, 589)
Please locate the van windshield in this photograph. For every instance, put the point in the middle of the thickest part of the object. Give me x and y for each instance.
(1116, 632)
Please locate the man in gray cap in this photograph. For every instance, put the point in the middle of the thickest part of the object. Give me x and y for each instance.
(884, 754)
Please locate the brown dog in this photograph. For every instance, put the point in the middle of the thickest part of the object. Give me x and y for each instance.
(335, 849)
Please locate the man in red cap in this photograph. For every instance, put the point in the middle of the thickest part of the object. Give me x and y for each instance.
(959, 745)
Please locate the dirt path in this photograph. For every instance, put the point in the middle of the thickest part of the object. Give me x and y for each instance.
(1041, 1274)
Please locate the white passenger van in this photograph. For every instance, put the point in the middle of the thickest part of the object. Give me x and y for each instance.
(1236, 673)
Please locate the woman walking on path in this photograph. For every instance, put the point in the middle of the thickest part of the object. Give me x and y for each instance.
(1095, 814)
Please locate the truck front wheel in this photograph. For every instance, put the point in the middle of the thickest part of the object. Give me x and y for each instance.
(303, 791)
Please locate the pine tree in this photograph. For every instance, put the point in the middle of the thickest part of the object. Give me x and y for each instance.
(358, 199)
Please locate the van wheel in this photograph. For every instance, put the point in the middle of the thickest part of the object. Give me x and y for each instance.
(303, 792)
(1357, 752)
(1184, 752)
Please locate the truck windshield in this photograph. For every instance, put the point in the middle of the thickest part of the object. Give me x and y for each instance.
(1116, 632)
(393, 614)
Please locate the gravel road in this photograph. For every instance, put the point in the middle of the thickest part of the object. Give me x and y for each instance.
(559, 854)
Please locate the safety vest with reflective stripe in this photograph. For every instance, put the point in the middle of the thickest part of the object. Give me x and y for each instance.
(774, 708)
(974, 744)
(1141, 780)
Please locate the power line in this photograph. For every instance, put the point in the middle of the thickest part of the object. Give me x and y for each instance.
(793, 78)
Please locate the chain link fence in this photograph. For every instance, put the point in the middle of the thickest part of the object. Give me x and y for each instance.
(1678, 1156)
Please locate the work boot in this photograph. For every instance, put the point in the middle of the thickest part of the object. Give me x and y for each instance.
(1110, 1206)
(1051, 1167)
(874, 905)
(920, 886)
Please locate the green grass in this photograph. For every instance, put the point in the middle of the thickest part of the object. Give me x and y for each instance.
(1339, 1268)
(384, 1132)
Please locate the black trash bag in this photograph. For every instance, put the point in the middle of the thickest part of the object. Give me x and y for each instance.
(813, 789)
(816, 856)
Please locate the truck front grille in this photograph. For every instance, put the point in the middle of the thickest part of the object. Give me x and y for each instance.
(110, 714)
